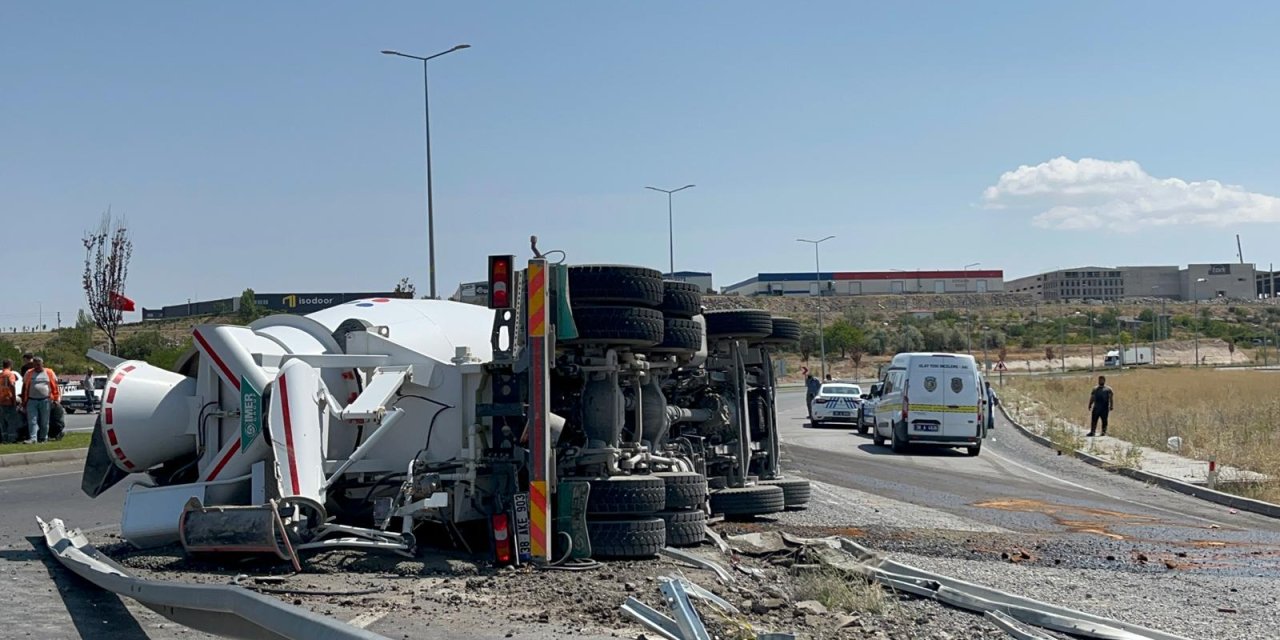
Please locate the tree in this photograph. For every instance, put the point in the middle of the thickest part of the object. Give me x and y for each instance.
(249, 310)
(808, 342)
(405, 289)
(107, 251)
(842, 336)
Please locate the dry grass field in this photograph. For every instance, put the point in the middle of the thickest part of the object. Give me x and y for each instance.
(1232, 416)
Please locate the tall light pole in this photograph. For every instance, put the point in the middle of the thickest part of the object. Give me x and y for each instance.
(967, 320)
(817, 276)
(1154, 326)
(426, 113)
(671, 225)
(1195, 297)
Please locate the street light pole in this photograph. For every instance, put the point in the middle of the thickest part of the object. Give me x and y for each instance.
(671, 226)
(1195, 297)
(817, 276)
(426, 115)
(967, 320)
(1154, 326)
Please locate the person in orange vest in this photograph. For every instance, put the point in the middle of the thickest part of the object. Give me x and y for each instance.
(10, 417)
(39, 392)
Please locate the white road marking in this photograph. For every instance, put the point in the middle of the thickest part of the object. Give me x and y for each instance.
(363, 620)
(47, 475)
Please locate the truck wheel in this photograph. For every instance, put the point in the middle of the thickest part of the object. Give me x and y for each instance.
(748, 501)
(622, 326)
(684, 488)
(626, 495)
(785, 331)
(974, 450)
(680, 336)
(896, 443)
(684, 528)
(639, 538)
(680, 299)
(876, 439)
(747, 324)
(795, 491)
(614, 284)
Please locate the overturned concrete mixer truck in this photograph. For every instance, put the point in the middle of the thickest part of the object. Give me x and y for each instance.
(588, 411)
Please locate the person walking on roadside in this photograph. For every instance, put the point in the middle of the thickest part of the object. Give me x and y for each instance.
(39, 392)
(10, 417)
(992, 402)
(1101, 402)
(811, 387)
(89, 397)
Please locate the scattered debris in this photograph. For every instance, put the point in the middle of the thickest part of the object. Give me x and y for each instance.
(757, 544)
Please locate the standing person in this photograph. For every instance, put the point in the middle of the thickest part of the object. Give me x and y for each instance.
(10, 417)
(811, 387)
(992, 401)
(1101, 402)
(39, 392)
(88, 390)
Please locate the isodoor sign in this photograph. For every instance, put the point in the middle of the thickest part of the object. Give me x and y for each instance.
(522, 527)
(250, 413)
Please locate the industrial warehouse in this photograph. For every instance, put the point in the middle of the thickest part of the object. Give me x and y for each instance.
(853, 283)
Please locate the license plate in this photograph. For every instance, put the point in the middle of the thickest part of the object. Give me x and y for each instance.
(843, 414)
(925, 427)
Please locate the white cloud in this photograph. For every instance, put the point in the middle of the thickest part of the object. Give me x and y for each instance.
(1121, 196)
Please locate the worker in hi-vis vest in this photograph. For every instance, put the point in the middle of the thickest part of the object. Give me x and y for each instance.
(39, 392)
(10, 417)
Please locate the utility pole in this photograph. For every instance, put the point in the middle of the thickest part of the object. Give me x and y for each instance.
(59, 320)
(817, 276)
(1195, 296)
(671, 227)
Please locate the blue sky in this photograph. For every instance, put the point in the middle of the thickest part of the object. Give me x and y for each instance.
(270, 146)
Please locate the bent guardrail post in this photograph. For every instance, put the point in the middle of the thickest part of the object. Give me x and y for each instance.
(224, 610)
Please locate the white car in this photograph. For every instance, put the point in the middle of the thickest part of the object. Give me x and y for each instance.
(837, 402)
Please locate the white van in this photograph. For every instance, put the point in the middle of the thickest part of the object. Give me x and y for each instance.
(933, 399)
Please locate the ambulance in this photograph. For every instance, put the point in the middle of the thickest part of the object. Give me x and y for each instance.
(930, 399)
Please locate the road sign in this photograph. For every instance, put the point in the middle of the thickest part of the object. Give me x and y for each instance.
(1000, 366)
(250, 413)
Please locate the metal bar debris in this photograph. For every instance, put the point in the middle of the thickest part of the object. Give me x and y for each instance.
(701, 593)
(653, 619)
(223, 610)
(1013, 628)
(686, 617)
(697, 561)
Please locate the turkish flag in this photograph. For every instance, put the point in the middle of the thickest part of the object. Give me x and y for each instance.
(119, 302)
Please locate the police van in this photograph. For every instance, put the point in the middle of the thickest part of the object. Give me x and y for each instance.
(930, 399)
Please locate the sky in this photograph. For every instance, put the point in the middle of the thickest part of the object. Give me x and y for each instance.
(271, 146)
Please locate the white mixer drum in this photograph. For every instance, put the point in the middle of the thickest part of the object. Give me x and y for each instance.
(146, 413)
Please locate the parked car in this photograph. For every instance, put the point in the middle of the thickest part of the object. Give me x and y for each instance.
(868, 412)
(73, 399)
(837, 402)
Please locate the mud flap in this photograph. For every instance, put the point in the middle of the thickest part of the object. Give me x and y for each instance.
(100, 472)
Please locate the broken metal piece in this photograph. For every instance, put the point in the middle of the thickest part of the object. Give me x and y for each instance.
(686, 617)
(652, 619)
(719, 540)
(697, 561)
(1013, 628)
(703, 594)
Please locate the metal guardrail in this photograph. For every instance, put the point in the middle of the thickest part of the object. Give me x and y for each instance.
(223, 610)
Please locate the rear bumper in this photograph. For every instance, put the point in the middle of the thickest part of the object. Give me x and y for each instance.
(853, 419)
(944, 440)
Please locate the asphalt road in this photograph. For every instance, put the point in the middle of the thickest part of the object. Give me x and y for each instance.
(1026, 489)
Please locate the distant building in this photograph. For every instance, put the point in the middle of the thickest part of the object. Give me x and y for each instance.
(853, 283)
(1223, 280)
(700, 278)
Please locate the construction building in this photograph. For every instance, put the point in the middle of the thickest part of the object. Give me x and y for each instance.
(853, 283)
(1196, 281)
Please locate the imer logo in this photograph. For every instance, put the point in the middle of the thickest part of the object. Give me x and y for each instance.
(292, 301)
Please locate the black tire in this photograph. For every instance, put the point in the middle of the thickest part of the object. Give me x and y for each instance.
(785, 331)
(795, 491)
(622, 326)
(639, 538)
(748, 501)
(681, 299)
(896, 444)
(862, 429)
(876, 439)
(684, 528)
(614, 284)
(626, 495)
(684, 489)
(815, 423)
(747, 324)
(974, 450)
(680, 335)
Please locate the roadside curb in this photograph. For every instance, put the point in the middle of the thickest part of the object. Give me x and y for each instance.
(1225, 499)
(37, 457)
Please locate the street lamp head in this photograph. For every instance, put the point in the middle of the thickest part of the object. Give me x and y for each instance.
(461, 46)
(389, 52)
